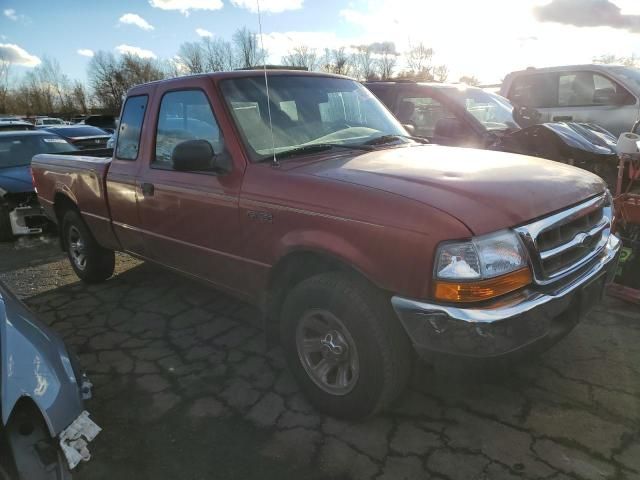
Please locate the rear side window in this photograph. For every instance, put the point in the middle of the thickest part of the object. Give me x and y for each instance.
(184, 115)
(131, 127)
(582, 89)
(538, 90)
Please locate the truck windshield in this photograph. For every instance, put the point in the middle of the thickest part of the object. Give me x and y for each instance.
(492, 111)
(306, 110)
(17, 150)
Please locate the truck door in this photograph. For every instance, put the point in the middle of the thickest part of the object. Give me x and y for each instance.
(121, 177)
(189, 219)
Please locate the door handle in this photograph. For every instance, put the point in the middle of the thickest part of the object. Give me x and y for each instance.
(563, 118)
(147, 189)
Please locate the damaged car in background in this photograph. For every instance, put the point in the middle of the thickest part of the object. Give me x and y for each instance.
(44, 428)
(463, 116)
(20, 212)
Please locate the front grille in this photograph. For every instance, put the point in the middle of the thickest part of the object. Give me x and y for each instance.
(561, 244)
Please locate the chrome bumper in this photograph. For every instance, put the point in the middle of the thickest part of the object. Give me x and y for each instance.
(527, 319)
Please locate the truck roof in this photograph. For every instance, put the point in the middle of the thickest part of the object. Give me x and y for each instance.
(217, 76)
(563, 68)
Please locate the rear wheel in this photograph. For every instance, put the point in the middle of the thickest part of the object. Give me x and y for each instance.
(344, 345)
(91, 262)
(6, 232)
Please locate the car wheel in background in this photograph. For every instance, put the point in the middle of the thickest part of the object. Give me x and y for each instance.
(91, 262)
(344, 345)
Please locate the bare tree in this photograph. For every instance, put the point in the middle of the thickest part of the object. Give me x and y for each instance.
(246, 43)
(470, 80)
(365, 62)
(388, 58)
(5, 68)
(111, 77)
(80, 98)
(419, 60)
(441, 73)
(338, 61)
(610, 59)
(192, 56)
(301, 56)
(219, 55)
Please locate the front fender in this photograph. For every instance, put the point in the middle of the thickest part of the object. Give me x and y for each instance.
(35, 364)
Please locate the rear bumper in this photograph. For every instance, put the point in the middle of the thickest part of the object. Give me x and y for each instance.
(527, 321)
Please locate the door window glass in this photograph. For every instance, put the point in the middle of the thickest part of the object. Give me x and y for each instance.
(184, 115)
(131, 127)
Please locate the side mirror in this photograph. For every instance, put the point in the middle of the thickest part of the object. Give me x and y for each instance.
(409, 128)
(196, 156)
(450, 128)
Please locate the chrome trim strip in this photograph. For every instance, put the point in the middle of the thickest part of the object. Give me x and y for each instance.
(509, 308)
(565, 216)
(576, 241)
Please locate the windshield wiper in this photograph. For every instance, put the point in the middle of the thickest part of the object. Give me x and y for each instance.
(385, 139)
(312, 148)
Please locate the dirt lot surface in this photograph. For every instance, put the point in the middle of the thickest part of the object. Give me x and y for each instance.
(185, 389)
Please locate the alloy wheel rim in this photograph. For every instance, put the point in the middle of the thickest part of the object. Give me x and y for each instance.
(327, 352)
(77, 248)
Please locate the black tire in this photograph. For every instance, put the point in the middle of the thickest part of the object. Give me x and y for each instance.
(383, 348)
(6, 232)
(29, 452)
(99, 262)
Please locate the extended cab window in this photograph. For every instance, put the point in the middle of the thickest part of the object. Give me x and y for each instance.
(131, 127)
(536, 90)
(184, 115)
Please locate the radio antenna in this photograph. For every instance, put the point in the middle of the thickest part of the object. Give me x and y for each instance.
(275, 162)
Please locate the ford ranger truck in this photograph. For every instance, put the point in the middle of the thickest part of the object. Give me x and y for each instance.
(359, 244)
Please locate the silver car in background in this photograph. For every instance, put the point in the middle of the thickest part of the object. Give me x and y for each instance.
(606, 95)
(44, 428)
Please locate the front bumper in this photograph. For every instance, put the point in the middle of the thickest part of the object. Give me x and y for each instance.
(527, 320)
(27, 220)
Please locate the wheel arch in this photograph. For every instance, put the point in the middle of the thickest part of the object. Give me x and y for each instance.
(294, 267)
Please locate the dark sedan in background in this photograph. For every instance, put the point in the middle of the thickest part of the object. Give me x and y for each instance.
(85, 137)
(20, 212)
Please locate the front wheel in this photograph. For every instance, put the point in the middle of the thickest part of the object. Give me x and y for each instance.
(344, 345)
(91, 262)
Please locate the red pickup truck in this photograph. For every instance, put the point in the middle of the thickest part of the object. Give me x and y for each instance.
(357, 242)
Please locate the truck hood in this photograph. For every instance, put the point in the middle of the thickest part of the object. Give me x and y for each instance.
(486, 190)
(16, 179)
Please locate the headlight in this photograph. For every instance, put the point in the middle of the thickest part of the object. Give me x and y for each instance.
(481, 268)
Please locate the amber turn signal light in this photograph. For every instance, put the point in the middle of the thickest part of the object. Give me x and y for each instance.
(483, 289)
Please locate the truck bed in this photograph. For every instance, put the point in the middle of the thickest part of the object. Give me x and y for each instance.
(79, 177)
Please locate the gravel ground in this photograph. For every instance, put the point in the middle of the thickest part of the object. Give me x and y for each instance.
(184, 388)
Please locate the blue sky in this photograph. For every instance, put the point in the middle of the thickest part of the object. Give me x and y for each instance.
(485, 38)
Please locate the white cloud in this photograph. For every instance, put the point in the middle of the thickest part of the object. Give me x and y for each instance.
(137, 51)
(184, 6)
(10, 13)
(273, 6)
(16, 55)
(85, 52)
(135, 19)
(470, 48)
(204, 33)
